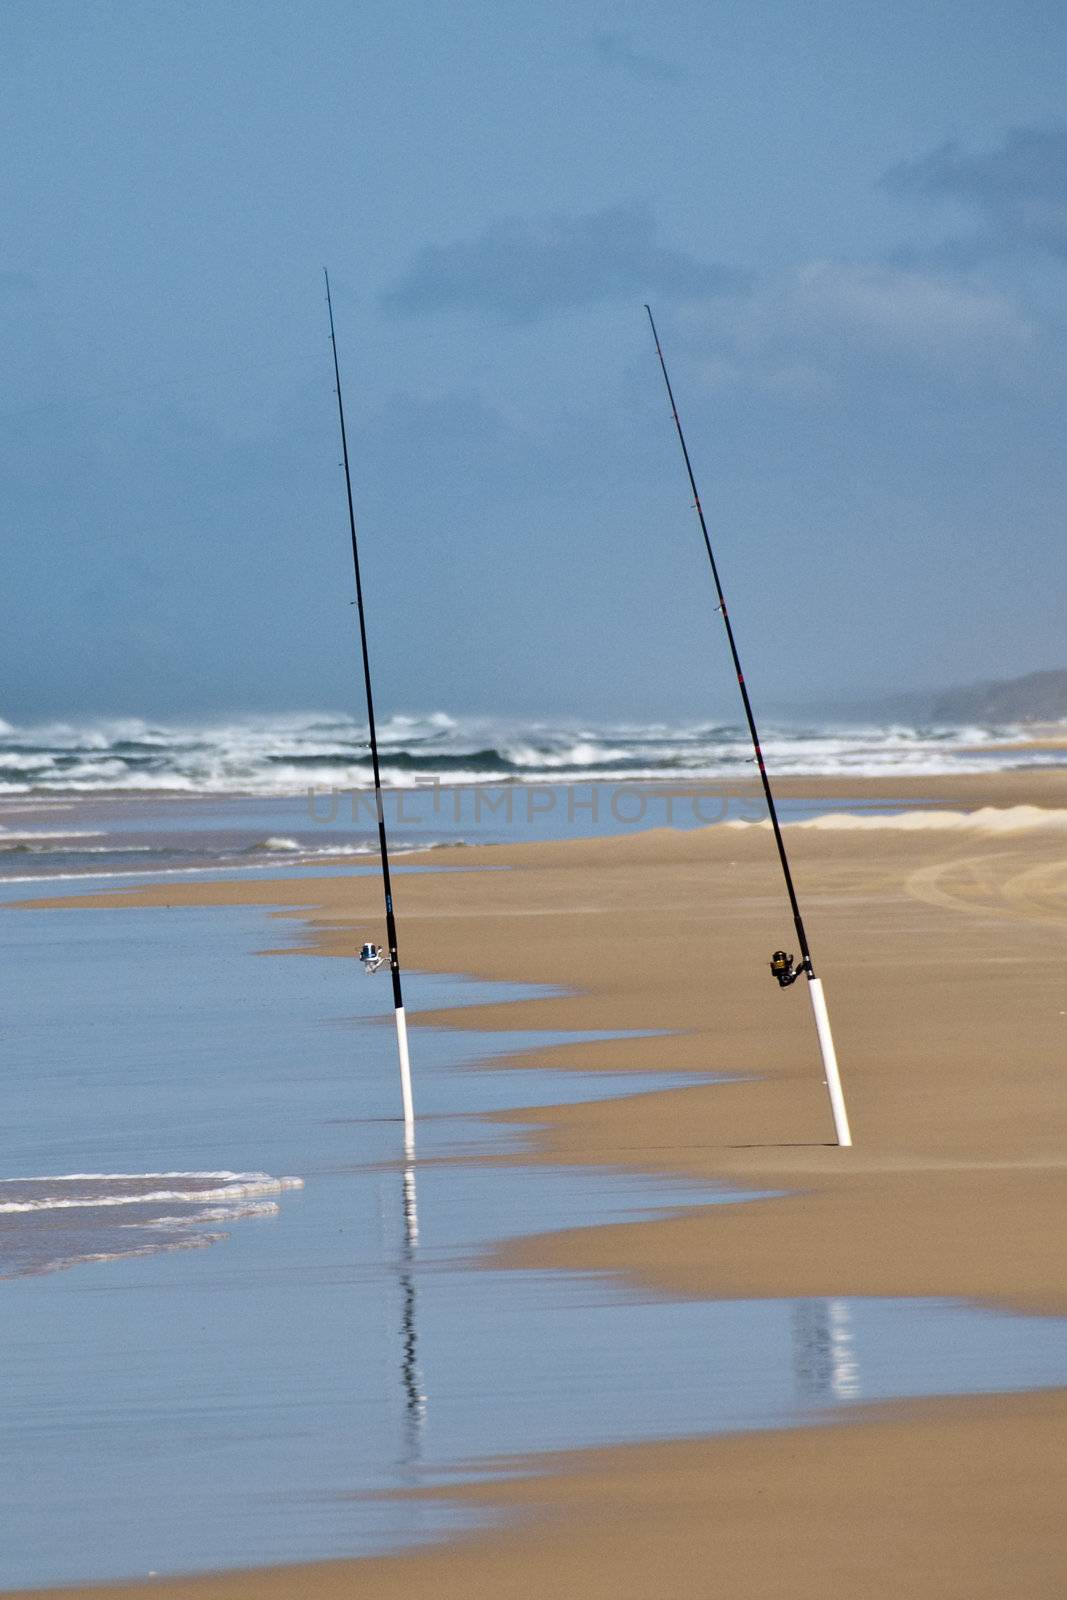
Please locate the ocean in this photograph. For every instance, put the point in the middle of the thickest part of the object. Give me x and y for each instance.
(133, 797)
(287, 754)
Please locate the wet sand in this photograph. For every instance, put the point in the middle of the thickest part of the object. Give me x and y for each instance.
(941, 954)
(956, 1501)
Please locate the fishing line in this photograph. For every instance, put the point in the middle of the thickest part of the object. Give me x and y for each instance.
(783, 967)
(371, 956)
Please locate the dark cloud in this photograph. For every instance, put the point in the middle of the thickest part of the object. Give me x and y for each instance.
(527, 269)
(1018, 191)
(612, 50)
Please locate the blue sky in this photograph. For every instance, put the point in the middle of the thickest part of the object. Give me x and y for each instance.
(851, 221)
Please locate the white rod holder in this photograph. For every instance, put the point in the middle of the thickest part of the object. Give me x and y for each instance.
(831, 1075)
(405, 1081)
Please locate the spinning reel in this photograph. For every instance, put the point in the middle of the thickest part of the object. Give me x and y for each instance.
(372, 958)
(783, 969)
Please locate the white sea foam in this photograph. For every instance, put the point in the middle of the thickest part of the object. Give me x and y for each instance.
(584, 753)
(222, 1174)
(66, 1219)
(31, 835)
(158, 1247)
(249, 861)
(87, 877)
(94, 1190)
(287, 754)
(234, 1213)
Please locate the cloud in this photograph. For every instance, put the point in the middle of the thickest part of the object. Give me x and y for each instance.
(612, 50)
(830, 325)
(1018, 191)
(525, 269)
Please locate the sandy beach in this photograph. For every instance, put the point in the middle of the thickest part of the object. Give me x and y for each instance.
(465, 466)
(940, 949)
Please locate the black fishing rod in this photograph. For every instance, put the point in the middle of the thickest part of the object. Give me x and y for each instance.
(784, 967)
(370, 955)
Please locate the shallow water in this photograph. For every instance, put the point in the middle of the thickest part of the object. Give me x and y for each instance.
(242, 1403)
(145, 835)
(53, 1222)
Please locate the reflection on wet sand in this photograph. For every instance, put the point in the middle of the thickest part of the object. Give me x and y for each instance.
(292, 1359)
(825, 1361)
(411, 1378)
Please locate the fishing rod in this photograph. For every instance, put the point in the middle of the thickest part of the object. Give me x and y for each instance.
(783, 967)
(370, 955)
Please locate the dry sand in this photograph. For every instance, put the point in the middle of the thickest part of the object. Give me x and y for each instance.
(942, 955)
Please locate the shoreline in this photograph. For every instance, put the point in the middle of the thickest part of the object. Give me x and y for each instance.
(931, 1135)
(955, 1186)
(906, 1497)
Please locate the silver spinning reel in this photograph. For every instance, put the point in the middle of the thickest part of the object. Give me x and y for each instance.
(372, 958)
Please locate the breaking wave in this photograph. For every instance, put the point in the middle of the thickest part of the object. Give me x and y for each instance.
(62, 1193)
(288, 754)
(68, 1219)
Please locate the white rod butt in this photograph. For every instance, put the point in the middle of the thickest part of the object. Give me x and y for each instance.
(831, 1075)
(405, 1080)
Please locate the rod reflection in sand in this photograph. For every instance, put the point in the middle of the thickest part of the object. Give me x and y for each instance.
(824, 1354)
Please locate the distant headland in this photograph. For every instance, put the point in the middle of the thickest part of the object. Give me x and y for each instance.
(1037, 697)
